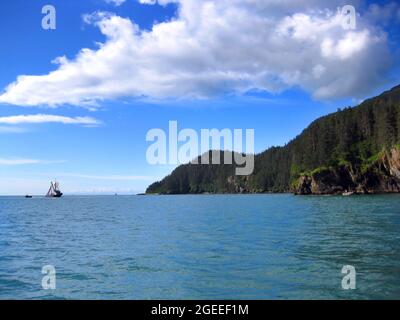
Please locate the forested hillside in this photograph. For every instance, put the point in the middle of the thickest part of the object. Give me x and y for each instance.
(344, 150)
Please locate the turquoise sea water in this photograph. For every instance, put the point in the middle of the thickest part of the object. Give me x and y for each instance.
(200, 247)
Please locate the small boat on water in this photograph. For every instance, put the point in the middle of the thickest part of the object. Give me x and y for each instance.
(54, 190)
(28, 196)
(347, 193)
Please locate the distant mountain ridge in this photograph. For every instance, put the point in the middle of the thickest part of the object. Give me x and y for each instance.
(355, 149)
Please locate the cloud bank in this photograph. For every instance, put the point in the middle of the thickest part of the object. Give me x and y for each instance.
(48, 118)
(109, 177)
(9, 129)
(217, 47)
(17, 162)
(116, 3)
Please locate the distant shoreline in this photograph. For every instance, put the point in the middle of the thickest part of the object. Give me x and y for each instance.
(206, 194)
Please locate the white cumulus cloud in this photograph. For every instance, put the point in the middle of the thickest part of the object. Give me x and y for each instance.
(217, 47)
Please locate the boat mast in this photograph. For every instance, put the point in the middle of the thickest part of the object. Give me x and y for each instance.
(51, 190)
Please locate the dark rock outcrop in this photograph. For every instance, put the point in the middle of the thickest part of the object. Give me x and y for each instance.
(382, 176)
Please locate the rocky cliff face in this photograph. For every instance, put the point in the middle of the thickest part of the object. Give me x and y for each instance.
(382, 176)
(239, 185)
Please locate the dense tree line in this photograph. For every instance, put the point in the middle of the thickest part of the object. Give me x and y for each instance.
(352, 136)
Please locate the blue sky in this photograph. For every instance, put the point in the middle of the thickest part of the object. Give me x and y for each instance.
(198, 68)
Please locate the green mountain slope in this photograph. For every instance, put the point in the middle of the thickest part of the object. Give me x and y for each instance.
(353, 149)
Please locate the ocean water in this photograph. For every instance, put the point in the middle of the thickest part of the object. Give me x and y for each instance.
(200, 247)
